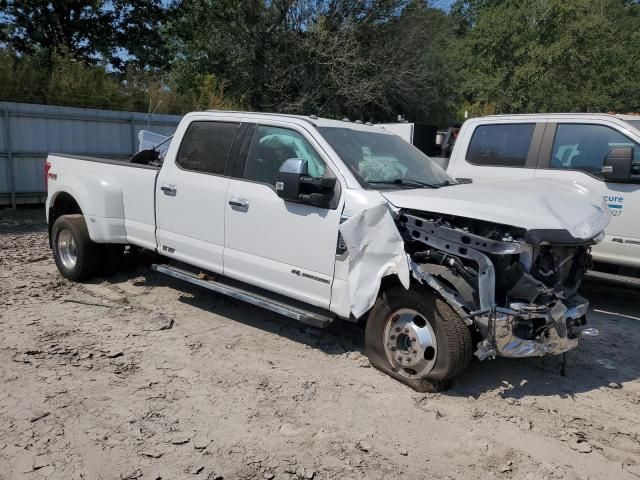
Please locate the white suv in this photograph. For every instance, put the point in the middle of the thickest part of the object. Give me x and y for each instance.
(593, 151)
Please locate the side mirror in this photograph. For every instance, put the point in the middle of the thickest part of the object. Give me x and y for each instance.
(617, 164)
(293, 184)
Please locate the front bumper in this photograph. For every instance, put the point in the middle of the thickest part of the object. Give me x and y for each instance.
(562, 327)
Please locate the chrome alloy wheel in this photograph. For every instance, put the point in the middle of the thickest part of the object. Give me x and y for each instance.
(410, 343)
(67, 249)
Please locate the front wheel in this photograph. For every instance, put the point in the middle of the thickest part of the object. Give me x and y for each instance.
(76, 255)
(417, 338)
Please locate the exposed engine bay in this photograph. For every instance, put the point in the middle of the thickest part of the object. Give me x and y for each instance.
(516, 289)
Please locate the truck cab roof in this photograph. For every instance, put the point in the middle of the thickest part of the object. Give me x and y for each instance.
(303, 120)
(553, 116)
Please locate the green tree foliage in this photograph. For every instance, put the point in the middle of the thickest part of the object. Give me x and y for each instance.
(65, 82)
(117, 32)
(22, 79)
(137, 34)
(363, 59)
(80, 27)
(548, 55)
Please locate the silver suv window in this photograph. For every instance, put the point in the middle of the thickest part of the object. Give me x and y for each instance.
(501, 145)
(585, 146)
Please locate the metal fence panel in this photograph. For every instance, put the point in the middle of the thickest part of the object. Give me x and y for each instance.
(29, 177)
(4, 175)
(3, 122)
(28, 132)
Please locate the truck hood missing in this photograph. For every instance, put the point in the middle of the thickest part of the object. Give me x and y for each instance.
(550, 212)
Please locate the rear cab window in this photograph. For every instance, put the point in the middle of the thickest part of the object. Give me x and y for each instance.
(206, 145)
(501, 145)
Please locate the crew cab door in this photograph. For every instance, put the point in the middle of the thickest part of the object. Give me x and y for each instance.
(191, 190)
(285, 247)
(576, 152)
(496, 150)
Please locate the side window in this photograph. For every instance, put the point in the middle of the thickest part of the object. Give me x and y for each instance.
(206, 145)
(501, 145)
(271, 146)
(585, 147)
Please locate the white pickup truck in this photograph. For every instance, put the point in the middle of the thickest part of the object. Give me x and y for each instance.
(595, 151)
(320, 219)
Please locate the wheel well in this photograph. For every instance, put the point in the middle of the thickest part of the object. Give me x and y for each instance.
(389, 282)
(64, 204)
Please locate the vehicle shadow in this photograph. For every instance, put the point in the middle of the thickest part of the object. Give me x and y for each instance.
(607, 361)
(339, 338)
(23, 220)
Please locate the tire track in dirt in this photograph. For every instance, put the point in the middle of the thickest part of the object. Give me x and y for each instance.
(139, 376)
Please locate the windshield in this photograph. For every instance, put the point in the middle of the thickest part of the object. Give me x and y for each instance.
(382, 160)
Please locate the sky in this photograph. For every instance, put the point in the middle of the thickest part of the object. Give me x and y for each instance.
(444, 4)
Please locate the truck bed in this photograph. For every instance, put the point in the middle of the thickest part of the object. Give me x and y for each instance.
(122, 162)
(117, 196)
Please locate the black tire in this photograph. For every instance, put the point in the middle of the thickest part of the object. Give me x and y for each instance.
(454, 345)
(87, 253)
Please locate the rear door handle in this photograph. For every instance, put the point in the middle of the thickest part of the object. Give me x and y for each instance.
(169, 190)
(239, 204)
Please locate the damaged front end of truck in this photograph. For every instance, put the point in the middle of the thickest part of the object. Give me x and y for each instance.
(516, 289)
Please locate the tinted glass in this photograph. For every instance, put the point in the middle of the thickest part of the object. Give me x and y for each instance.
(501, 145)
(383, 160)
(206, 146)
(585, 147)
(271, 146)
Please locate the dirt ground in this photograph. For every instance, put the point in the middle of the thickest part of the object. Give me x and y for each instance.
(141, 376)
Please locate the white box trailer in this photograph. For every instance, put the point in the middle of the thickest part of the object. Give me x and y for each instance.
(427, 138)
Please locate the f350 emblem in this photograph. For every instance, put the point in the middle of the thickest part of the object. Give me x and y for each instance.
(310, 277)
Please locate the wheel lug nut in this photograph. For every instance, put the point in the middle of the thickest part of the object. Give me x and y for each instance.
(414, 351)
(400, 359)
(393, 349)
(392, 337)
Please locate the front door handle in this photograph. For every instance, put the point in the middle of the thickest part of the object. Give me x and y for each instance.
(239, 204)
(169, 190)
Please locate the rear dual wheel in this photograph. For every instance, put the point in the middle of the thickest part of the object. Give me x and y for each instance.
(417, 338)
(77, 256)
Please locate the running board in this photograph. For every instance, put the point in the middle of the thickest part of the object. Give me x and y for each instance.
(305, 316)
(613, 278)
